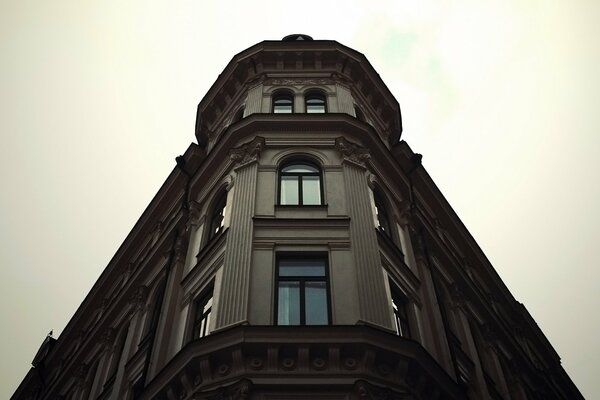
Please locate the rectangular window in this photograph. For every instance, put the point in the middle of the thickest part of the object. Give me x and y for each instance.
(302, 291)
(400, 314)
(202, 314)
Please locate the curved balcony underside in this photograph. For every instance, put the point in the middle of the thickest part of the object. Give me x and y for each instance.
(239, 361)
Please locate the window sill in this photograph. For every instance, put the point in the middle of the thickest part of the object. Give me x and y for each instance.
(296, 211)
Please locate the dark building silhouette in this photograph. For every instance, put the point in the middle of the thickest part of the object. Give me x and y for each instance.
(299, 250)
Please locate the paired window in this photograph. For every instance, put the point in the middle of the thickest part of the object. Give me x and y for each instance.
(300, 184)
(315, 104)
(202, 313)
(400, 315)
(217, 217)
(283, 104)
(302, 291)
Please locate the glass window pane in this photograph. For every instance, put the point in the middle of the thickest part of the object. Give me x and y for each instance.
(316, 303)
(283, 105)
(288, 307)
(289, 190)
(300, 168)
(311, 190)
(315, 108)
(302, 268)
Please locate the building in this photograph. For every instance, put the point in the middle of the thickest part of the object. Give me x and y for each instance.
(298, 250)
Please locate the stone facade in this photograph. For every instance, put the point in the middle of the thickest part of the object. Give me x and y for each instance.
(198, 304)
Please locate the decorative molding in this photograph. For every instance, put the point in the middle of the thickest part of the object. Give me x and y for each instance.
(299, 81)
(138, 299)
(247, 153)
(107, 339)
(351, 152)
(230, 181)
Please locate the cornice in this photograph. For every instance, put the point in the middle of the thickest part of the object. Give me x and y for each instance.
(351, 354)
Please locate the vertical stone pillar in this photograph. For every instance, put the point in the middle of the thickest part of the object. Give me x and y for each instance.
(372, 299)
(345, 102)
(164, 333)
(194, 226)
(106, 342)
(254, 101)
(137, 304)
(490, 341)
(434, 337)
(462, 320)
(232, 307)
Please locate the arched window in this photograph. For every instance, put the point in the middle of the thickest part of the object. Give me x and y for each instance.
(300, 184)
(283, 104)
(217, 216)
(383, 220)
(315, 103)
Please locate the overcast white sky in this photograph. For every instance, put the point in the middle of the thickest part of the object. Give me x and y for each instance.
(502, 97)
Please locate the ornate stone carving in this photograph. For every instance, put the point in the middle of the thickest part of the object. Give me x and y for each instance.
(352, 152)
(80, 374)
(193, 215)
(138, 299)
(458, 297)
(299, 81)
(229, 181)
(107, 339)
(247, 153)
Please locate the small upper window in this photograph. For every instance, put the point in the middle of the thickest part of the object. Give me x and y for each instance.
(315, 103)
(300, 184)
(283, 104)
(217, 217)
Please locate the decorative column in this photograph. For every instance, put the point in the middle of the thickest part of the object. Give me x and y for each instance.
(372, 299)
(345, 103)
(232, 303)
(137, 310)
(462, 320)
(193, 227)
(434, 337)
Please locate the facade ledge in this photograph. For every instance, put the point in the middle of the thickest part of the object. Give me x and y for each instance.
(307, 356)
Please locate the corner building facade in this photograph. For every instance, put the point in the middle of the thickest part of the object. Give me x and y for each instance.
(299, 250)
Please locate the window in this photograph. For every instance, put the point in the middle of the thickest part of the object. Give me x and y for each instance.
(383, 220)
(315, 103)
(300, 184)
(302, 291)
(283, 104)
(202, 313)
(400, 314)
(217, 217)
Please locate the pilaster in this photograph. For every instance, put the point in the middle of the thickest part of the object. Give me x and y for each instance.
(233, 297)
(373, 304)
(254, 101)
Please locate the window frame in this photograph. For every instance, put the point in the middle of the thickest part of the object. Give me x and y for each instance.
(281, 174)
(315, 95)
(401, 322)
(381, 213)
(280, 96)
(302, 287)
(206, 295)
(218, 207)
